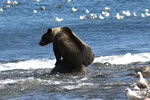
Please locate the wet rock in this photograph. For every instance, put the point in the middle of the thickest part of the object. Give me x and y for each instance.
(107, 64)
(97, 65)
(99, 75)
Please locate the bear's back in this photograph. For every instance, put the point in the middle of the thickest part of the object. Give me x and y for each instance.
(65, 37)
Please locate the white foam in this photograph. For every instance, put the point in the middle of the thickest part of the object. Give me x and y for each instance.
(30, 79)
(12, 81)
(72, 85)
(50, 63)
(28, 64)
(124, 59)
(79, 85)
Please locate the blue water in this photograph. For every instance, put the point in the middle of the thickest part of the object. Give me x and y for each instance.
(21, 31)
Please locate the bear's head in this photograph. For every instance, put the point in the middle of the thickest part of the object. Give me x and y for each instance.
(46, 38)
(51, 33)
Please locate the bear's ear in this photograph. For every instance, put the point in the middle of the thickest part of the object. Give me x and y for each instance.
(49, 30)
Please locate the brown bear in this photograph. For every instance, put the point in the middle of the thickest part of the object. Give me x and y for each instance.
(72, 54)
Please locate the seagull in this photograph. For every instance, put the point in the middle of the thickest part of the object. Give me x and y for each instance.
(1, 9)
(118, 16)
(135, 87)
(93, 16)
(141, 82)
(107, 8)
(37, 0)
(101, 17)
(8, 2)
(14, 3)
(74, 9)
(134, 14)
(82, 17)
(146, 10)
(34, 11)
(103, 12)
(6, 6)
(135, 95)
(127, 12)
(142, 15)
(147, 14)
(86, 11)
(59, 19)
(107, 14)
(68, 1)
(124, 12)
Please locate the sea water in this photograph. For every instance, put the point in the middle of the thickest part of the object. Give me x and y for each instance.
(25, 66)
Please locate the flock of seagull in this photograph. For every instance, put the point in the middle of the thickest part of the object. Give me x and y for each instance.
(141, 89)
(87, 14)
(8, 4)
(106, 14)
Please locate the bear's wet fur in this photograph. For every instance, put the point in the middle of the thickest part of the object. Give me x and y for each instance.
(63, 67)
(71, 53)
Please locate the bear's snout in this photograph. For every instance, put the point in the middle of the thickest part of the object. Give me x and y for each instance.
(41, 44)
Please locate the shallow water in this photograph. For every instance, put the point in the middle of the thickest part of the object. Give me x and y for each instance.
(101, 82)
(25, 66)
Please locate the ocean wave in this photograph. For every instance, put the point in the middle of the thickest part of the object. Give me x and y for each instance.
(67, 84)
(27, 64)
(124, 59)
(50, 63)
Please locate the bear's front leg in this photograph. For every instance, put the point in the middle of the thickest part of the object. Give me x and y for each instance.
(57, 54)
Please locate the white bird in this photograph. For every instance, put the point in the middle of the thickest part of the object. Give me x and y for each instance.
(93, 15)
(107, 8)
(147, 14)
(68, 1)
(101, 17)
(134, 14)
(134, 95)
(103, 12)
(107, 14)
(124, 12)
(87, 11)
(135, 87)
(1, 9)
(74, 9)
(82, 17)
(37, 0)
(59, 19)
(14, 3)
(34, 11)
(118, 16)
(6, 6)
(128, 13)
(141, 82)
(146, 10)
(8, 2)
(142, 15)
